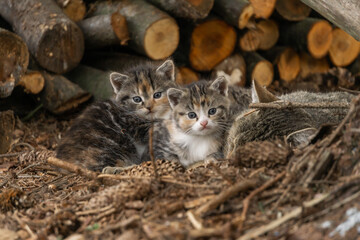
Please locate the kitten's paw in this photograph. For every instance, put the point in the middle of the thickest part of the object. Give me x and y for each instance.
(114, 170)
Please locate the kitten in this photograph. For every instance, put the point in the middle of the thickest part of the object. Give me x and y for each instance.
(115, 132)
(195, 132)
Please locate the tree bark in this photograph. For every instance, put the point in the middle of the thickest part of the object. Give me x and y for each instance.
(313, 35)
(344, 48)
(104, 30)
(14, 60)
(258, 68)
(310, 65)
(61, 95)
(263, 8)
(56, 42)
(74, 9)
(343, 13)
(7, 125)
(33, 82)
(235, 12)
(152, 32)
(292, 10)
(234, 66)
(193, 9)
(92, 80)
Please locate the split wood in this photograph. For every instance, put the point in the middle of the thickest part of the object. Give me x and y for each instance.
(284, 105)
(225, 195)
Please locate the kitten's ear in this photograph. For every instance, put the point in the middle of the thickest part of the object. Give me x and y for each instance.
(167, 69)
(117, 80)
(301, 137)
(220, 84)
(260, 95)
(174, 95)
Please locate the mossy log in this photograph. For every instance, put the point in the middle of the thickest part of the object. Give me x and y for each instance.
(56, 42)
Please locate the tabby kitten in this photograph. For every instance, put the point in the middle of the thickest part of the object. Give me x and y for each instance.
(195, 132)
(115, 132)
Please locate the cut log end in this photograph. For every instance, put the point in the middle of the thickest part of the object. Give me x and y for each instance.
(288, 65)
(263, 8)
(211, 42)
(32, 82)
(263, 73)
(244, 17)
(61, 48)
(161, 39)
(119, 25)
(292, 10)
(310, 65)
(249, 41)
(186, 75)
(319, 39)
(75, 10)
(269, 34)
(344, 48)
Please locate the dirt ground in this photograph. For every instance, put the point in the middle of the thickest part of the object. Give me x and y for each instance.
(269, 191)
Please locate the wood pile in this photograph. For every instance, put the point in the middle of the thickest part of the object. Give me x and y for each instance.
(70, 46)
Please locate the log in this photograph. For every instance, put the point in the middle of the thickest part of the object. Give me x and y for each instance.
(186, 75)
(344, 48)
(355, 67)
(343, 13)
(14, 60)
(156, 35)
(287, 62)
(258, 69)
(264, 36)
(104, 30)
(7, 125)
(33, 82)
(56, 42)
(235, 67)
(263, 8)
(61, 95)
(235, 12)
(292, 10)
(192, 9)
(311, 34)
(310, 65)
(92, 80)
(211, 41)
(74, 9)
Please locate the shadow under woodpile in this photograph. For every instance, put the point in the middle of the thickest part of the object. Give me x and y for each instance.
(275, 191)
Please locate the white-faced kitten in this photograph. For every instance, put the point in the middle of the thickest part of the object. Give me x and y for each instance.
(115, 132)
(195, 132)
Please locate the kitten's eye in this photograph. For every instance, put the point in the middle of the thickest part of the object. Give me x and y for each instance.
(191, 115)
(137, 99)
(157, 95)
(212, 111)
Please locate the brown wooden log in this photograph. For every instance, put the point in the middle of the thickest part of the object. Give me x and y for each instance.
(104, 30)
(264, 36)
(33, 82)
(355, 67)
(152, 32)
(263, 8)
(344, 48)
(311, 34)
(258, 69)
(310, 65)
(56, 42)
(235, 67)
(14, 60)
(186, 75)
(61, 95)
(7, 125)
(235, 12)
(193, 9)
(74, 9)
(343, 13)
(292, 10)
(92, 80)
(212, 41)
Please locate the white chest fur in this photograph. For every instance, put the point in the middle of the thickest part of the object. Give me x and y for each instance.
(194, 148)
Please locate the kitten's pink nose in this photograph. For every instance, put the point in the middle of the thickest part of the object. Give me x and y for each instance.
(204, 123)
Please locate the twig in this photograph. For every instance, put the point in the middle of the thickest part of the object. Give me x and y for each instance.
(94, 211)
(72, 167)
(225, 195)
(31, 114)
(26, 227)
(194, 221)
(22, 144)
(246, 201)
(121, 224)
(349, 90)
(283, 105)
(256, 232)
(27, 167)
(208, 232)
(151, 151)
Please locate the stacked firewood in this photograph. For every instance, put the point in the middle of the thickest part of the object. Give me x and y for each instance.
(62, 51)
